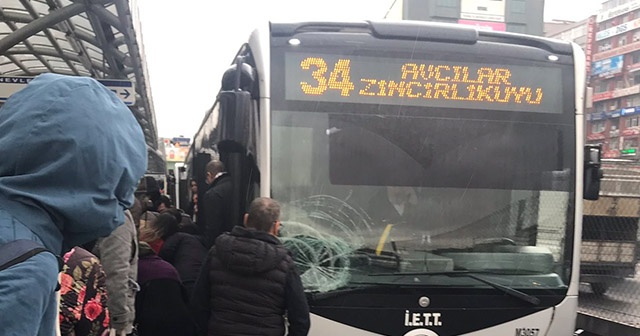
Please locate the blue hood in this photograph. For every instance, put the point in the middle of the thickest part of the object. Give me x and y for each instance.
(72, 155)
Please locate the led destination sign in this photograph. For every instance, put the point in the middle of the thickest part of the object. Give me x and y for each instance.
(393, 81)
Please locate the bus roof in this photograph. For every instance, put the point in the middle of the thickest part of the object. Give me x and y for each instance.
(422, 31)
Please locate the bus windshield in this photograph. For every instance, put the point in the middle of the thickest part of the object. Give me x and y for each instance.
(374, 187)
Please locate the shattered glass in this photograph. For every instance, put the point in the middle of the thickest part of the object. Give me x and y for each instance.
(322, 232)
(369, 195)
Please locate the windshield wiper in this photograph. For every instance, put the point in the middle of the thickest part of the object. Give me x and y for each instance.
(468, 274)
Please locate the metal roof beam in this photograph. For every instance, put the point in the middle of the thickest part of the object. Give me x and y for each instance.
(120, 40)
(122, 8)
(69, 30)
(14, 28)
(58, 71)
(120, 56)
(39, 24)
(107, 50)
(47, 33)
(115, 55)
(63, 55)
(106, 16)
(19, 64)
(26, 19)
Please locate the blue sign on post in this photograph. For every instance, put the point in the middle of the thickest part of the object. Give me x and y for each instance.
(124, 89)
(608, 67)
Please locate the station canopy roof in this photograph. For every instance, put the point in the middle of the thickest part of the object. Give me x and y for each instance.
(95, 38)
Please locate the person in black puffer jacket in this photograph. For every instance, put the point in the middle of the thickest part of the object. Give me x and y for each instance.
(249, 282)
(186, 253)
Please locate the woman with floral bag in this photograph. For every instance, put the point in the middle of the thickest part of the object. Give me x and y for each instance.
(83, 295)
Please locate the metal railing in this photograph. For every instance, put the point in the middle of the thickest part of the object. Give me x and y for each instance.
(610, 274)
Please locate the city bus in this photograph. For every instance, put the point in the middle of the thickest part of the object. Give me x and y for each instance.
(431, 176)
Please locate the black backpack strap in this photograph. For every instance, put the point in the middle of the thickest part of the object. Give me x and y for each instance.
(17, 251)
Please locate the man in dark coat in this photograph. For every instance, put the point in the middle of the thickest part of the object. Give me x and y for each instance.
(218, 217)
(249, 282)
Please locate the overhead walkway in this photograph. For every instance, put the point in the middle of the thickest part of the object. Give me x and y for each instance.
(95, 38)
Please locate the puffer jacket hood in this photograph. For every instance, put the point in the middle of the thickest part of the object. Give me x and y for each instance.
(248, 251)
(72, 155)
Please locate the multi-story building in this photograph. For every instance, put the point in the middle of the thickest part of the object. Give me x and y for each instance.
(518, 16)
(615, 79)
(580, 32)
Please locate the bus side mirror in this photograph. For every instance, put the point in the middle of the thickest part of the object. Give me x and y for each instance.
(235, 108)
(592, 171)
(236, 102)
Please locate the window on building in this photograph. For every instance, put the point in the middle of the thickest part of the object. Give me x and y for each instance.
(636, 36)
(614, 124)
(620, 84)
(604, 46)
(602, 86)
(630, 143)
(614, 143)
(597, 127)
(631, 122)
(622, 41)
(613, 105)
(635, 100)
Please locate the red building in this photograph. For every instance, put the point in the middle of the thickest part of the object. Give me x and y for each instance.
(614, 75)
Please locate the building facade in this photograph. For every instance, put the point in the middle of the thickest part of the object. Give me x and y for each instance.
(570, 31)
(615, 78)
(518, 16)
(175, 150)
(582, 33)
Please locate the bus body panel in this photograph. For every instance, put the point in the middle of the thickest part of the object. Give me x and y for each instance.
(580, 82)
(554, 321)
(321, 326)
(259, 40)
(564, 320)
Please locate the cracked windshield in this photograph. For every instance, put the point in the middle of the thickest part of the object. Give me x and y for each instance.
(377, 194)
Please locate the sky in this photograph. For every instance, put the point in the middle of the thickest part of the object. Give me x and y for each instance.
(188, 46)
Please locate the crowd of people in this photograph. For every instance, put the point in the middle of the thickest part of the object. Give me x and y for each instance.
(89, 246)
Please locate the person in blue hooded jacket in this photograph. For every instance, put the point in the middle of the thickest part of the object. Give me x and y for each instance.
(72, 155)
